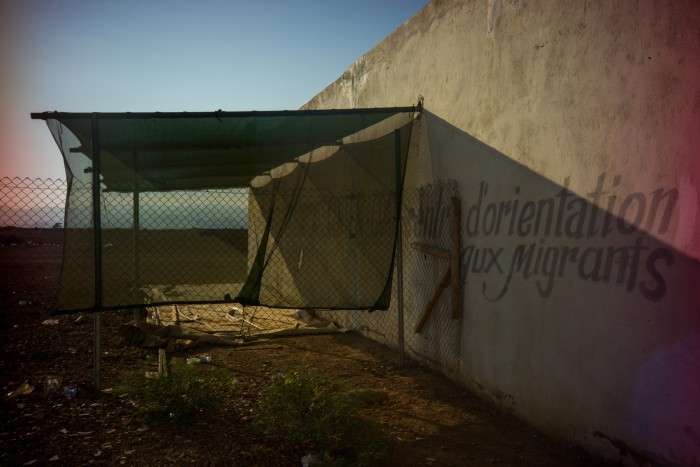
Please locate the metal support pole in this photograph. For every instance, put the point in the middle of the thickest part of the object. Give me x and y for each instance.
(399, 244)
(97, 251)
(137, 226)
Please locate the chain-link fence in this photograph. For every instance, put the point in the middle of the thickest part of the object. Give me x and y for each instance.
(426, 224)
(31, 240)
(201, 240)
(32, 203)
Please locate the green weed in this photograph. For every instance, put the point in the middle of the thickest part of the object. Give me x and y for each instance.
(304, 407)
(176, 397)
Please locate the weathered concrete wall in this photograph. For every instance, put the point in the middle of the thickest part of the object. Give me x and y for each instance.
(571, 132)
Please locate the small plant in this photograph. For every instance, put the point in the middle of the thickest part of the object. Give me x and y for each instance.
(304, 407)
(176, 396)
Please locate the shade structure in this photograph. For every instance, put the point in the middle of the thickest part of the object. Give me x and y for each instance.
(160, 151)
(140, 183)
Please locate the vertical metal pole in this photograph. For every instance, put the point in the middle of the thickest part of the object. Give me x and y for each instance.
(137, 226)
(97, 251)
(399, 244)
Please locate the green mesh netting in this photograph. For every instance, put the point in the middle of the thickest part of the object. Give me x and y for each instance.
(290, 209)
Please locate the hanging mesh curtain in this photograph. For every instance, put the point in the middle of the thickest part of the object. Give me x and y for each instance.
(294, 209)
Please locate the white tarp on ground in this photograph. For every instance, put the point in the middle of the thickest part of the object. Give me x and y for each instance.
(181, 326)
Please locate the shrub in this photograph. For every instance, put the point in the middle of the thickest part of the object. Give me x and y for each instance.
(304, 407)
(176, 396)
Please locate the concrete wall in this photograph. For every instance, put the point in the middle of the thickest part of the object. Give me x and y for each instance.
(571, 132)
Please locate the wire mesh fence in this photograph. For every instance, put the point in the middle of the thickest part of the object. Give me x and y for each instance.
(32, 203)
(31, 239)
(196, 247)
(426, 221)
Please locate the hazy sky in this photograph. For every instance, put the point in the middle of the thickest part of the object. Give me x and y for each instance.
(175, 55)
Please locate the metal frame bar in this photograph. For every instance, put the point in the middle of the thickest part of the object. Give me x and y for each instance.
(399, 246)
(97, 251)
(136, 231)
(219, 114)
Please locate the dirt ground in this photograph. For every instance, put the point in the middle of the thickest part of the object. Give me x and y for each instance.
(427, 419)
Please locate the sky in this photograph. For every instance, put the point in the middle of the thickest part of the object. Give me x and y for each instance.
(170, 56)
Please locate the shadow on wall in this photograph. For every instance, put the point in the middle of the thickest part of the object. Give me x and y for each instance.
(574, 304)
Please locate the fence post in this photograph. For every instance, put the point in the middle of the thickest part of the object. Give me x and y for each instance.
(136, 229)
(399, 245)
(97, 251)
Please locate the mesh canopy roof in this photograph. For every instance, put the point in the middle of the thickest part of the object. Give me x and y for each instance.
(287, 209)
(175, 151)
